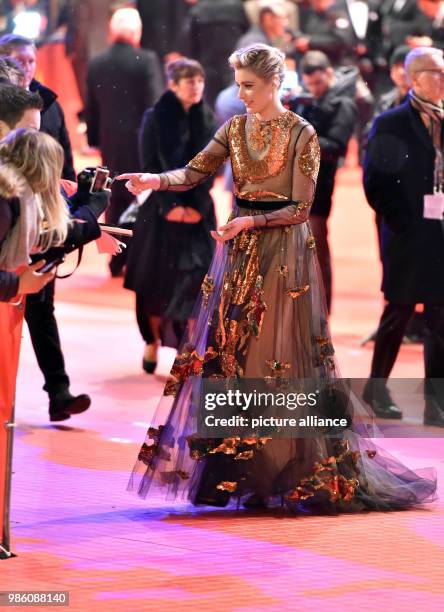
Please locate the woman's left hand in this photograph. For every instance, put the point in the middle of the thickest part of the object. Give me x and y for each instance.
(232, 228)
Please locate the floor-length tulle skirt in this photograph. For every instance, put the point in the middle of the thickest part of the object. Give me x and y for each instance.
(261, 314)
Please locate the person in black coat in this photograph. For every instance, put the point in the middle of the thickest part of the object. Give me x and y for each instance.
(172, 248)
(53, 119)
(333, 114)
(402, 166)
(20, 108)
(122, 82)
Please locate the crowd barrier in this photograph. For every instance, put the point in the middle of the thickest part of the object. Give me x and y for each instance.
(11, 322)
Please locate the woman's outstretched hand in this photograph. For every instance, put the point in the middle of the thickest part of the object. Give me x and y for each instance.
(232, 228)
(138, 182)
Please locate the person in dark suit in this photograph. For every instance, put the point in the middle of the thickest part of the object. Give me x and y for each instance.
(171, 249)
(403, 164)
(122, 83)
(332, 112)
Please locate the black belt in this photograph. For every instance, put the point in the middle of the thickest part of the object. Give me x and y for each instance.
(263, 205)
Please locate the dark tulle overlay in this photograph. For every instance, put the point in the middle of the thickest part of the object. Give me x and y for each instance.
(261, 314)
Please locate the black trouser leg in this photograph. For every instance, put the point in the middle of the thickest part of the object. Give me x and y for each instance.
(319, 228)
(434, 340)
(434, 364)
(389, 336)
(143, 320)
(45, 339)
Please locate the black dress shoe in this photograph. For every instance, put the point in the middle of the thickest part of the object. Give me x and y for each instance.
(433, 413)
(63, 405)
(378, 397)
(149, 366)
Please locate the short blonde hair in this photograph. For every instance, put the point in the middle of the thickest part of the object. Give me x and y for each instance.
(265, 61)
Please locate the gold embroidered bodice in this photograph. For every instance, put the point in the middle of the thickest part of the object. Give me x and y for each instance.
(271, 161)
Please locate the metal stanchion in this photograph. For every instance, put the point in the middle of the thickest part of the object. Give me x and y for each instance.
(5, 546)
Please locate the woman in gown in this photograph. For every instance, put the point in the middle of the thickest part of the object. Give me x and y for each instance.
(262, 315)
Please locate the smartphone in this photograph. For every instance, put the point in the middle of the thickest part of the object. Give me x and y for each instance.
(51, 265)
(101, 180)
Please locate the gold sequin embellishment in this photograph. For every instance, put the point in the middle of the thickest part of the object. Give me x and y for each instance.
(310, 158)
(206, 163)
(297, 292)
(245, 168)
(207, 289)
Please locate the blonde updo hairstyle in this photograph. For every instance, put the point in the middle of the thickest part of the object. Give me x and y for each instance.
(265, 61)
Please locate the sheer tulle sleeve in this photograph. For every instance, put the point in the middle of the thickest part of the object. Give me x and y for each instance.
(203, 165)
(305, 173)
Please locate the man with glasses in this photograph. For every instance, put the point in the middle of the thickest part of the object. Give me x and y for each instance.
(403, 181)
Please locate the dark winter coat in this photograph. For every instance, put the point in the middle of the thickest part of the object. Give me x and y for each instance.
(167, 260)
(122, 83)
(398, 172)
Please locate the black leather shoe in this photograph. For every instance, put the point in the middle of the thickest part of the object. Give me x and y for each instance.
(149, 366)
(378, 397)
(433, 413)
(63, 405)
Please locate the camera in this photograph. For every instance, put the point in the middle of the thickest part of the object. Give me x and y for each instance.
(92, 180)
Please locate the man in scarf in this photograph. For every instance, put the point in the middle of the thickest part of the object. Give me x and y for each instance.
(403, 181)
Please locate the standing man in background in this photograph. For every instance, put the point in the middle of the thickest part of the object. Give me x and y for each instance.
(122, 83)
(403, 176)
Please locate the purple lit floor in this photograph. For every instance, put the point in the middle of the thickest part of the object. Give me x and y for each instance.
(75, 528)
